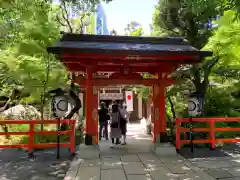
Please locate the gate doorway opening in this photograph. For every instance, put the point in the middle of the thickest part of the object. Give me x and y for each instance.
(102, 60)
(106, 102)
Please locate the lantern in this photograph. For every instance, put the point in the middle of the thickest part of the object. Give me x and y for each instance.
(195, 104)
(59, 106)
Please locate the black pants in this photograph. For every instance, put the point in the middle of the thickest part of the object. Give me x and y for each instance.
(117, 140)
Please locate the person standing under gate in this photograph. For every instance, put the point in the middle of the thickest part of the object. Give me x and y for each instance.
(115, 125)
(103, 121)
(123, 122)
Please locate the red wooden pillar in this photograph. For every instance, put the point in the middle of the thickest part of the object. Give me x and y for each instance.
(162, 108)
(91, 111)
(153, 116)
(95, 102)
(159, 111)
(157, 122)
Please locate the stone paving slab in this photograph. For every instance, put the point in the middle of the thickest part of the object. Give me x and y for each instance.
(139, 177)
(111, 157)
(116, 174)
(218, 173)
(173, 160)
(199, 172)
(88, 173)
(166, 176)
(134, 168)
(213, 164)
(92, 162)
(71, 174)
(75, 164)
(235, 171)
(111, 164)
(234, 162)
(179, 168)
(130, 158)
(150, 161)
(162, 173)
(190, 176)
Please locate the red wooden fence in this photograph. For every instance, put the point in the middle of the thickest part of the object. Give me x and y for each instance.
(211, 130)
(31, 133)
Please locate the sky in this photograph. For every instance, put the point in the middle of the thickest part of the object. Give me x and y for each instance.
(121, 12)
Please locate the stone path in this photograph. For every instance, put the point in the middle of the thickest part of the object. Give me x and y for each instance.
(142, 166)
(134, 162)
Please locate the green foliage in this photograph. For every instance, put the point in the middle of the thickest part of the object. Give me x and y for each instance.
(185, 18)
(27, 65)
(188, 19)
(91, 27)
(225, 41)
(133, 29)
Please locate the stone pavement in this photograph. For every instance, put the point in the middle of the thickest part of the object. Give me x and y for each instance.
(135, 161)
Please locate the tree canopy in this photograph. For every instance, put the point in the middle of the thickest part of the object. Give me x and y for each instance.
(209, 25)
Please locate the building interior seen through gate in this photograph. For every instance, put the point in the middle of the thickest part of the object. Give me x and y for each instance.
(141, 107)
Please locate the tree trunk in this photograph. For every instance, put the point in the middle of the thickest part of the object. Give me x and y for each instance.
(173, 115)
(75, 109)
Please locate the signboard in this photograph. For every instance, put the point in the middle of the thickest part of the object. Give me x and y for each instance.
(195, 104)
(111, 96)
(129, 100)
(60, 106)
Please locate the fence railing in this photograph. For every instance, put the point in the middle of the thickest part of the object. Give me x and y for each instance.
(211, 129)
(32, 132)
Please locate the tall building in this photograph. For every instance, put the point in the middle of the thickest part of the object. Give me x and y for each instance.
(101, 21)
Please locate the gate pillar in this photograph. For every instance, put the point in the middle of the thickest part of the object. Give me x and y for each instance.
(91, 108)
(159, 111)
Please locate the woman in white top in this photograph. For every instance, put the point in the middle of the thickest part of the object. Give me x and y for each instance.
(123, 122)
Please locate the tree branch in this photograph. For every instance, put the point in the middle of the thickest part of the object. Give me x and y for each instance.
(207, 71)
(59, 21)
(80, 29)
(64, 10)
(172, 106)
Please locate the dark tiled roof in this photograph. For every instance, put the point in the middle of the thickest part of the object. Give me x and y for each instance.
(124, 44)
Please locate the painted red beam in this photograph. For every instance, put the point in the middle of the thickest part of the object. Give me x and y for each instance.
(117, 68)
(106, 82)
(88, 62)
(129, 57)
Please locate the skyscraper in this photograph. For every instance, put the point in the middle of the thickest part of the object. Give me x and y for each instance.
(101, 21)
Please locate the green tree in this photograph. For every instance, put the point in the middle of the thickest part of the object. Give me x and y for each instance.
(186, 19)
(29, 66)
(133, 29)
(225, 44)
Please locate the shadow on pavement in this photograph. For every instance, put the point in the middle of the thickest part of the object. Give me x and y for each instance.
(137, 142)
(230, 150)
(15, 164)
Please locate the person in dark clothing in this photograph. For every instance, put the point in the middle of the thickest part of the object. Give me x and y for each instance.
(103, 121)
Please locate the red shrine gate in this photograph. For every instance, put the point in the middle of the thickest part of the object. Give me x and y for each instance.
(124, 59)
